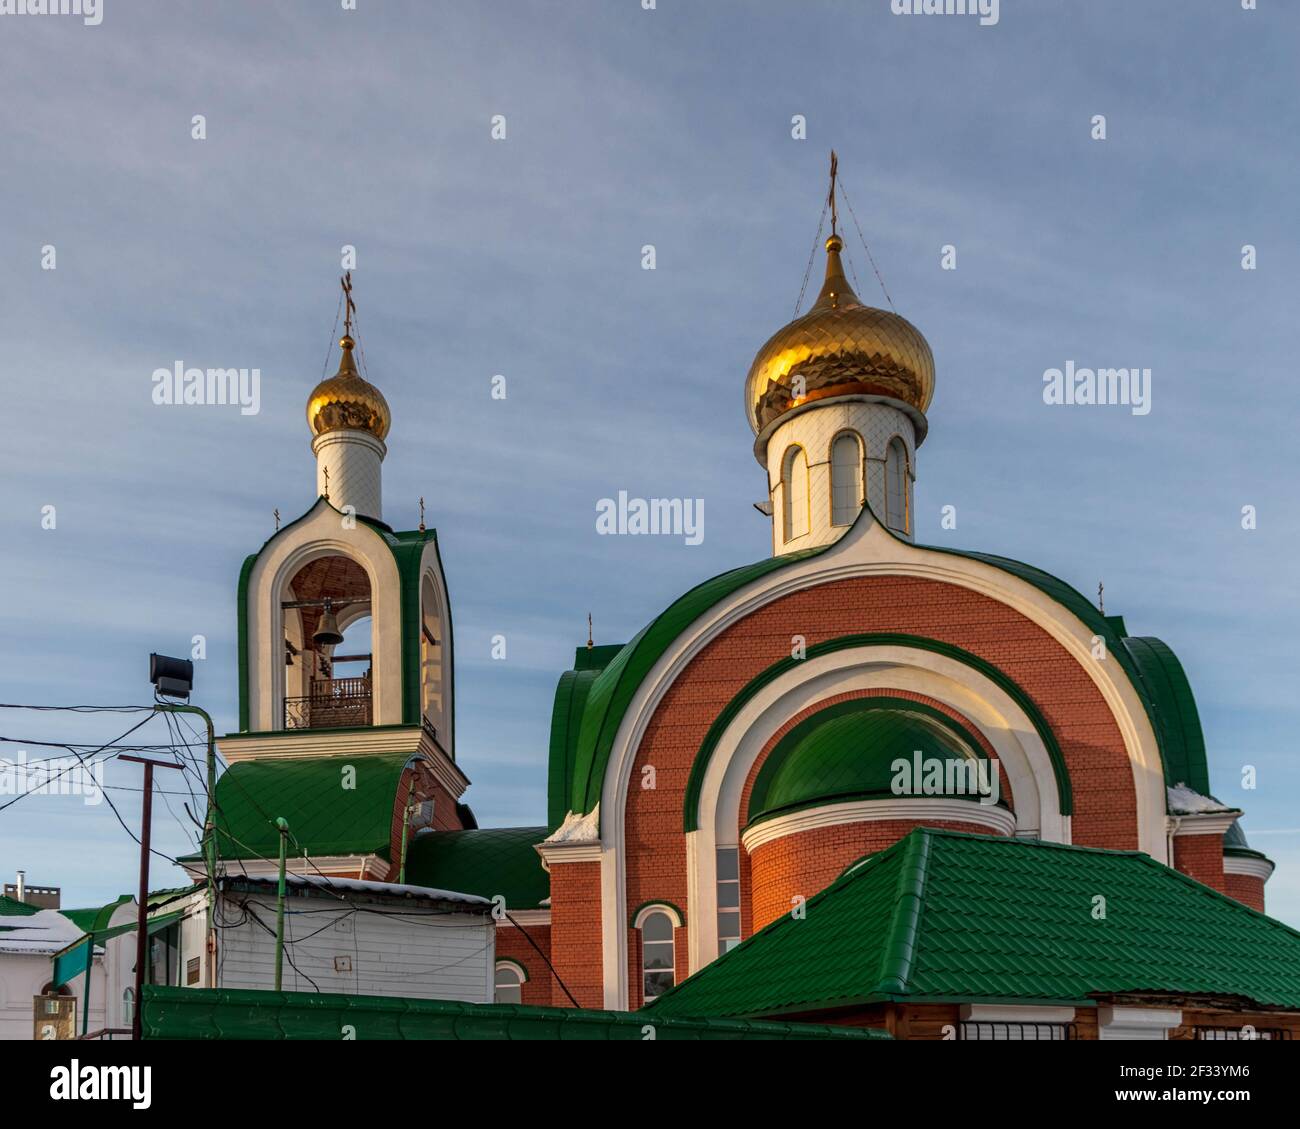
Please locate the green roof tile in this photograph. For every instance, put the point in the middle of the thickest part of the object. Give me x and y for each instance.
(334, 805)
(948, 916)
(487, 862)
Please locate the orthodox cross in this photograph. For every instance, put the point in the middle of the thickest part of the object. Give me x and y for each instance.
(327, 483)
(351, 308)
(276, 511)
(421, 513)
(835, 216)
(590, 642)
(1101, 597)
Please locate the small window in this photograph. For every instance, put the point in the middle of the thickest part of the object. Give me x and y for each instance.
(509, 983)
(728, 898)
(657, 954)
(128, 1007)
(794, 494)
(896, 515)
(846, 479)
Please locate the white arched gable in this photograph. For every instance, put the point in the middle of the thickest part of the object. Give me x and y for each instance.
(322, 532)
(867, 549)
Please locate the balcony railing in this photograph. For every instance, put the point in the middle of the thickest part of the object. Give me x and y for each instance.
(332, 704)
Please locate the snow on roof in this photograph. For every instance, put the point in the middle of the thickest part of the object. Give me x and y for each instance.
(1187, 801)
(578, 828)
(44, 932)
(358, 886)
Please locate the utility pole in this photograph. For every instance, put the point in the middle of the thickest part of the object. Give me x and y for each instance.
(283, 825)
(142, 914)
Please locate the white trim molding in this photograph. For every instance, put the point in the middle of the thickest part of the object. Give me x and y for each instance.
(1015, 1013)
(1202, 823)
(919, 810)
(657, 907)
(1248, 866)
(1137, 1022)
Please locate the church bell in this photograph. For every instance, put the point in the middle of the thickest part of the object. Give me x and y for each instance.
(327, 631)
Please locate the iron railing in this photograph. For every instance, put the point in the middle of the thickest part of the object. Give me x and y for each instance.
(986, 1030)
(332, 704)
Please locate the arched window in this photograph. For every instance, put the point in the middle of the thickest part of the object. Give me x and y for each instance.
(509, 983)
(846, 478)
(657, 953)
(128, 1007)
(896, 515)
(794, 494)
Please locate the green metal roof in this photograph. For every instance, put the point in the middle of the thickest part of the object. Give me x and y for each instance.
(607, 699)
(1177, 722)
(847, 751)
(12, 907)
(587, 714)
(325, 815)
(946, 916)
(488, 862)
(566, 718)
(205, 1013)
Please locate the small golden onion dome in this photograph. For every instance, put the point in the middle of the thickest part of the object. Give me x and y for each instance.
(346, 401)
(840, 347)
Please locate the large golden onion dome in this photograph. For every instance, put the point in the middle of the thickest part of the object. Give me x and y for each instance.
(840, 347)
(346, 401)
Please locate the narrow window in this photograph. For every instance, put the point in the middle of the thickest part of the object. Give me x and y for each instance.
(657, 954)
(794, 494)
(509, 984)
(128, 1007)
(846, 479)
(728, 898)
(896, 515)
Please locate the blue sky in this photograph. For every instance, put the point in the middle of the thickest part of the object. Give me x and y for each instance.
(522, 257)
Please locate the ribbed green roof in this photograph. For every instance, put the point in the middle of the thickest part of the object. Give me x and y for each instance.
(945, 916)
(1178, 724)
(847, 750)
(588, 712)
(205, 1013)
(487, 862)
(566, 719)
(325, 815)
(12, 907)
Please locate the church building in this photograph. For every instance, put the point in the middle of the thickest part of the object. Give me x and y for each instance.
(862, 781)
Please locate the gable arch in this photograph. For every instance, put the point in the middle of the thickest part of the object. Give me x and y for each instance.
(319, 533)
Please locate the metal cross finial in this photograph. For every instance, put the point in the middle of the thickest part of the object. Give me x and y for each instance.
(327, 483)
(590, 642)
(276, 511)
(351, 308)
(835, 215)
(421, 513)
(1101, 597)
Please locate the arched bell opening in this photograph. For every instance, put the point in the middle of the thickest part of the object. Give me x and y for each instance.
(328, 650)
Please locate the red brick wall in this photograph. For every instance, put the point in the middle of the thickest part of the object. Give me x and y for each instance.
(1201, 857)
(575, 932)
(1247, 890)
(809, 861)
(540, 987)
(1105, 809)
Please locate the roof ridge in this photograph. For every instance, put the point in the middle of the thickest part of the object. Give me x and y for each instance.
(909, 907)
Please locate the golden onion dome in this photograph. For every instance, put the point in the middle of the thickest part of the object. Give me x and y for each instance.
(346, 401)
(839, 347)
